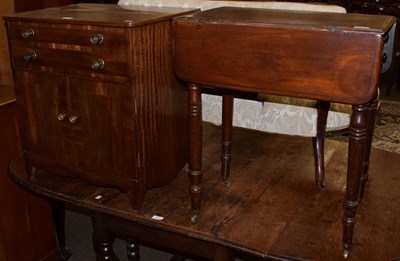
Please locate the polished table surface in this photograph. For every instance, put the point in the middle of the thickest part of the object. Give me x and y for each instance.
(327, 57)
(274, 211)
(266, 212)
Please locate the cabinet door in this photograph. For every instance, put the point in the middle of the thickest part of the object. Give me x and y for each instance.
(103, 133)
(42, 108)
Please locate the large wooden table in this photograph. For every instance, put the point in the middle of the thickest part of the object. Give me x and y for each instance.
(321, 56)
(267, 212)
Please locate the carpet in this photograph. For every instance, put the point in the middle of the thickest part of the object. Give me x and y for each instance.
(387, 128)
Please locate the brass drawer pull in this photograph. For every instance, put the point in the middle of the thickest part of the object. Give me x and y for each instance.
(72, 119)
(96, 39)
(29, 57)
(98, 65)
(61, 116)
(28, 34)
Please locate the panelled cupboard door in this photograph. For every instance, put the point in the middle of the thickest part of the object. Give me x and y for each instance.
(44, 130)
(78, 122)
(103, 131)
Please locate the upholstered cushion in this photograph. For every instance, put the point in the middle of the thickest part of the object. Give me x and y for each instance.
(275, 5)
(272, 117)
(204, 5)
(163, 3)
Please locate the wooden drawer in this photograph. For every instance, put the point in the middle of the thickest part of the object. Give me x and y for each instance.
(70, 49)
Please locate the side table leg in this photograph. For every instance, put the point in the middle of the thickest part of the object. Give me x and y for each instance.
(58, 213)
(370, 134)
(226, 144)
(103, 239)
(195, 147)
(319, 143)
(357, 146)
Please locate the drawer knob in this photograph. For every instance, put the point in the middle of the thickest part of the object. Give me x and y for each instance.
(30, 56)
(96, 39)
(28, 34)
(72, 119)
(61, 116)
(98, 65)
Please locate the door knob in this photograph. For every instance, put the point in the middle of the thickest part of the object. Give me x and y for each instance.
(72, 119)
(61, 116)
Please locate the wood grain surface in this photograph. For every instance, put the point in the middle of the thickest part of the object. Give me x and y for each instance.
(272, 207)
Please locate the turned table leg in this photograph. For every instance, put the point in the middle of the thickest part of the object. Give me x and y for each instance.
(357, 146)
(195, 147)
(226, 144)
(103, 239)
(58, 213)
(372, 111)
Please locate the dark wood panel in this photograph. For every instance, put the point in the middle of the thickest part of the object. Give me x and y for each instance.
(272, 207)
(160, 103)
(27, 232)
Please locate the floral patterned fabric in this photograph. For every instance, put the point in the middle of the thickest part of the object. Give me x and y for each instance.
(272, 117)
(204, 5)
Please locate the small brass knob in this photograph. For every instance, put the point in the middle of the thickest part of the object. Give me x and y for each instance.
(98, 65)
(28, 34)
(72, 119)
(96, 39)
(61, 116)
(29, 57)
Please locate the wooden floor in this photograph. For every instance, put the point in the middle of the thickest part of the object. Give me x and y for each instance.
(272, 207)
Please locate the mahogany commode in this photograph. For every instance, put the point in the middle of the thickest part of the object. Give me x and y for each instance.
(96, 94)
(321, 56)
